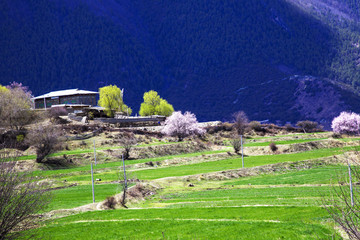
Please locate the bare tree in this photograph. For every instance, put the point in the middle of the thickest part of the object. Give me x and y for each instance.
(20, 197)
(127, 142)
(45, 139)
(240, 122)
(308, 126)
(344, 203)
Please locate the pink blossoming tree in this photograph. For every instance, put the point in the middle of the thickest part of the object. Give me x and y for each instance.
(348, 123)
(182, 125)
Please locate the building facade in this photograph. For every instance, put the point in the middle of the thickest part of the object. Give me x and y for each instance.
(66, 97)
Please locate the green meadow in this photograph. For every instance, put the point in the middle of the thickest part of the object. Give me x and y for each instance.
(191, 199)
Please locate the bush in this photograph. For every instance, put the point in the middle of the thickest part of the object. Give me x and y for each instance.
(182, 125)
(308, 126)
(289, 127)
(346, 123)
(56, 112)
(336, 135)
(255, 125)
(273, 147)
(45, 139)
(221, 127)
(110, 202)
(236, 143)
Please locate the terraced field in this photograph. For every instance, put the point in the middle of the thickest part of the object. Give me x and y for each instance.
(202, 194)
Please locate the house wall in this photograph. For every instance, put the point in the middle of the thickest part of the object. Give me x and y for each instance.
(87, 99)
(79, 99)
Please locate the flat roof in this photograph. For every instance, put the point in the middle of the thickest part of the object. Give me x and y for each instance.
(61, 93)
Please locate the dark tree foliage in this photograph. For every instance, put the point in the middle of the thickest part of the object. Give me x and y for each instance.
(21, 196)
(184, 50)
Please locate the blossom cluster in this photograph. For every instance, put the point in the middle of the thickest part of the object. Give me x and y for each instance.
(347, 123)
(182, 125)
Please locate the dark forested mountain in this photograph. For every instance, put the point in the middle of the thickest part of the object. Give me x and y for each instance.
(207, 56)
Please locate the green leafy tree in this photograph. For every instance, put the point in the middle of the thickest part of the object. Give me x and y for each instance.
(154, 105)
(111, 99)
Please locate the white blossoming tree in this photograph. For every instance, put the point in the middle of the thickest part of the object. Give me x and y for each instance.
(348, 123)
(182, 125)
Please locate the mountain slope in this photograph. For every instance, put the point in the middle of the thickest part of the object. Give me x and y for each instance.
(199, 55)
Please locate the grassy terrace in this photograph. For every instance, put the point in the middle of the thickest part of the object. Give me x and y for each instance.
(115, 165)
(284, 142)
(109, 171)
(281, 205)
(91, 150)
(213, 166)
(190, 223)
(81, 195)
(319, 175)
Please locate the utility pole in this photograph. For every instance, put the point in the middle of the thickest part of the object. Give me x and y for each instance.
(242, 150)
(351, 188)
(94, 153)
(124, 171)
(125, 183)
(92, 181)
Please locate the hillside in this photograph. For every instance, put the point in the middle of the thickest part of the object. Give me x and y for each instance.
(199, 55)
(198, 188)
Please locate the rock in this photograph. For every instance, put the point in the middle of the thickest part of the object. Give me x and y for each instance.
(84, 120)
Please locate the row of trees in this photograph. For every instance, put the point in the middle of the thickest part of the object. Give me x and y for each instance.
(111, 98)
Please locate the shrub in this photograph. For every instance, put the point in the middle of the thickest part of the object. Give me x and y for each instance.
(110, 202)
(346, 123)
(220, 127)
(336, 135)
(182, 125)
(56, 112)
(273, 147)
(255, 125)
(308, 126)
(289, 127)
(45, 139)
(236, 144)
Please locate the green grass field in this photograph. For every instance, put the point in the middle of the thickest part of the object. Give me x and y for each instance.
(194, 223)
(272, 205)
(81, 195)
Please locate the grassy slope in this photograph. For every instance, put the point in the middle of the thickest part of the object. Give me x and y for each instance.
(209, 223)
(275, 206)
